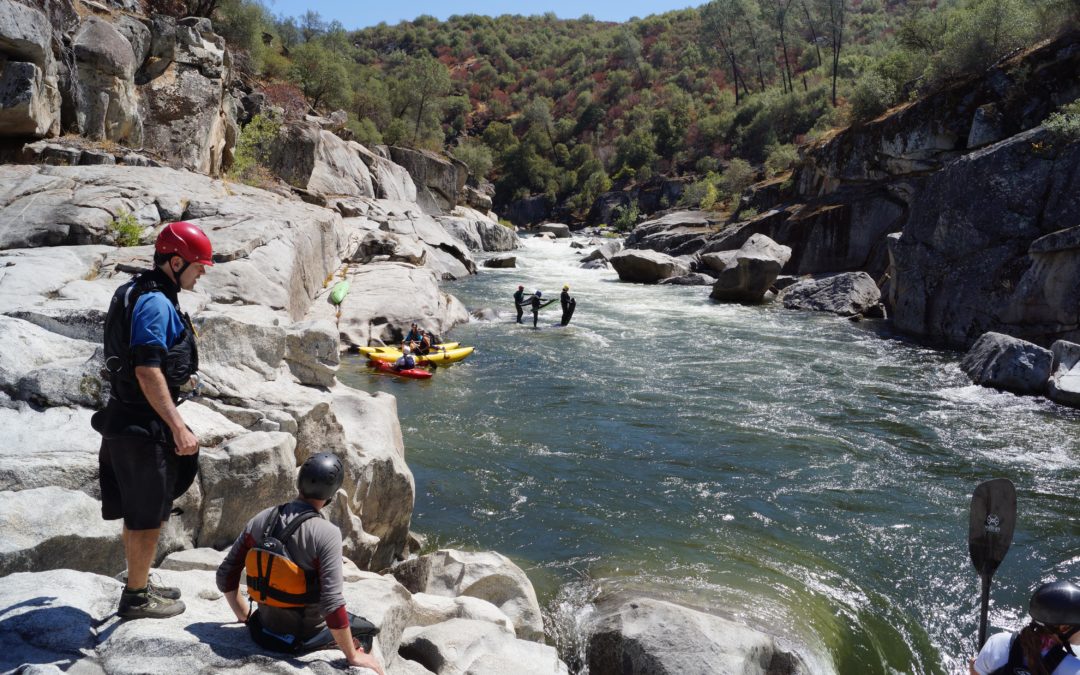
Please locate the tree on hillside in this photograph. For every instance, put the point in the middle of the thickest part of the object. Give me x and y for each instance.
(321, 74)
(777, 12)
(722, 22)
(812, 26)
(418, 90)
(834, 13)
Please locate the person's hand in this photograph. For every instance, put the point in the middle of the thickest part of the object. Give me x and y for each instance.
(362, 660)
(186, 443)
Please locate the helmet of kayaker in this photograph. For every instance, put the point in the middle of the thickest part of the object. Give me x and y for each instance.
(320, 476)
(186, 240)
(521, 288)
(538, 294)
(406, 350)
(566, 287)
(1056, 604)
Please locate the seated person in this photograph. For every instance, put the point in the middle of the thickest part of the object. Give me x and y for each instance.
(301, 606)
(413, 337)
(406, 360)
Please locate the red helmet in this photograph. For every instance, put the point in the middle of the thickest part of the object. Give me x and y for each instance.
(187, 241)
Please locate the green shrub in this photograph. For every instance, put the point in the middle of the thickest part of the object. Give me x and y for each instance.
(125, 230)
(708, 200)
(364, 131)
(625, 218)
(1065, 123)
(738, 176)
(476, 156)
(873, 95)
(780, 158)
(253, 148)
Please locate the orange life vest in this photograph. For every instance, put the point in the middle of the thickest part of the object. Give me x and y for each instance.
(272, 577)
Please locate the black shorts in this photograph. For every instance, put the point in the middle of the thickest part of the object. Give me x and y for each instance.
(138, 481)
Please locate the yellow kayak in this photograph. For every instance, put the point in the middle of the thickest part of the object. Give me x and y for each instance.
(437, 357)
(390, 348)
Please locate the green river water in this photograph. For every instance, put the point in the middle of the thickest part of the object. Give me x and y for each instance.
(801, 473)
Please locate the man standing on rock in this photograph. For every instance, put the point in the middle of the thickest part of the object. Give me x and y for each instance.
(148, 456)
(519, 302)
(293, 560)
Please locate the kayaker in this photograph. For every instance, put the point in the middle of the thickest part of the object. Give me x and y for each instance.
(1045, 645)
(535, 302)
(565, 301)
(413, 337)
(519, 302)
(406, 361)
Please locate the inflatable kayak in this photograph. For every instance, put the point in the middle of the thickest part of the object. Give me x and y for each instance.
(390, 348)
(440, 357)
(388, 367)
(340, 290)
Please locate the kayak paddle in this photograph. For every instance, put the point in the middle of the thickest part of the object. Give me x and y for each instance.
(990, 532)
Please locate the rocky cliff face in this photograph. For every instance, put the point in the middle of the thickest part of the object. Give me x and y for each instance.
(960, 200)
(154, 84)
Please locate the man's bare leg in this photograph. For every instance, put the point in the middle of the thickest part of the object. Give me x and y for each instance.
(139, 549)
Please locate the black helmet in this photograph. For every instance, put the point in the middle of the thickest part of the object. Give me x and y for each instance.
(1056, 603)
(320, 476)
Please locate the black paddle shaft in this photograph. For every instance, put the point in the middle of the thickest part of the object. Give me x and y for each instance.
(990, 533)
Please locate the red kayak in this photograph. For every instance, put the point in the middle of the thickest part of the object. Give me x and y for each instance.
(387, 367)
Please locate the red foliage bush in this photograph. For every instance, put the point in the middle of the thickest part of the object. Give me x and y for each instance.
(288, 97)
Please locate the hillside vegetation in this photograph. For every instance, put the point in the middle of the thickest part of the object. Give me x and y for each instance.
(567, 108)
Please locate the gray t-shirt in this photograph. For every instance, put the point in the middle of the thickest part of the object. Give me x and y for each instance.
(316, 545)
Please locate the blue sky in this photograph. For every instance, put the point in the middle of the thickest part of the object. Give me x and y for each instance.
(358, 15)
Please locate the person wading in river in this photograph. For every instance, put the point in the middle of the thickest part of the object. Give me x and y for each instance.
(1044, 646)
(519, 302)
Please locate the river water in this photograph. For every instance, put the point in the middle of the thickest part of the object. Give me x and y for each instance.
(801, 473)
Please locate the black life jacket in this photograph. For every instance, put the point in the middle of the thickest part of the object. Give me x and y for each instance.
(1051, 659)
(181, 360)
(272, 577)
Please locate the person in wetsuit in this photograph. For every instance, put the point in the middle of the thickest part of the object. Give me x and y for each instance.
(149, 456)
(566, 302)
(519, 302)
(535, 302)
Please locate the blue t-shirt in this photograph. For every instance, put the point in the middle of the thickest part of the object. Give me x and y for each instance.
(154, 322)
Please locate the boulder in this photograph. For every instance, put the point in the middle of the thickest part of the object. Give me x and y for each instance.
(432, 609)
(205, 559)
(188, 116)
(440, 181)
(319, 162)
(312, 350)
(29, 87)
(479, 231)
(692, 279)
(241, 477)
(28, 348)
(67, 382)
(379, 486)
(51, 527)
(1004, 362)
(501, 261)
(390, 181)
(486, 575)
(846, 294)
(558, 229)
(107, 103)
(595, 265)
(1064, 384)
(677, 233)
(604, 251)
(747, 274)
(477, 647)
(373, 311)
(647, 266)
(654, 637)
(209, 426)
(376, 244)
(51, 447)
(239, 346)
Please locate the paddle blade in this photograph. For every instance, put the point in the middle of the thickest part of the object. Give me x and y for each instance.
(993, 518)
